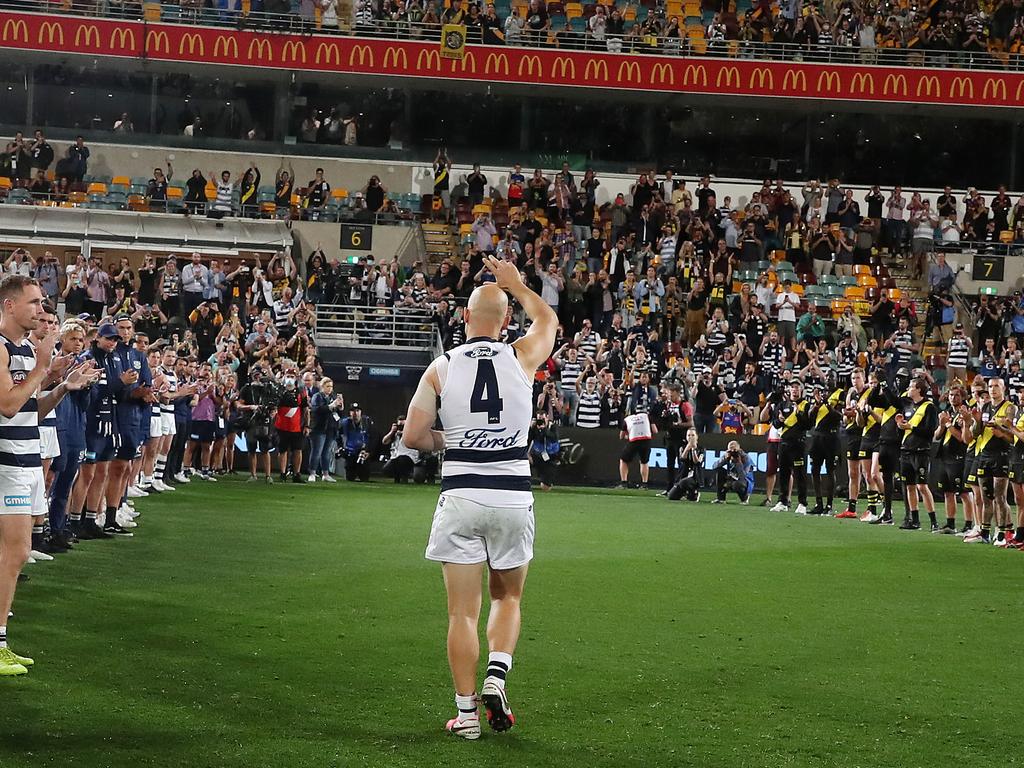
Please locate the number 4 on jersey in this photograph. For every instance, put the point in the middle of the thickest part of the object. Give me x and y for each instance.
(485, 397)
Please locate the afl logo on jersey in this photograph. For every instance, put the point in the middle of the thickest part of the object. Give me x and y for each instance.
(19, 376)
(478, 352)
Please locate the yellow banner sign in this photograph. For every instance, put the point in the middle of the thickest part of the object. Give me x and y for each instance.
(453, 41)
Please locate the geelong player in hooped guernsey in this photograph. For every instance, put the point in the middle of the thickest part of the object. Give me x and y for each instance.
(22, 494)
(485, 511)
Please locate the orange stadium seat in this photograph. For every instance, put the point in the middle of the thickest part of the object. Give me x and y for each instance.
(122, 180)
(175, 193)
(854, 292)
(862, 269)
(5, 183)
(573, 10)
(96, 188)
(866, 281)
(340, 193)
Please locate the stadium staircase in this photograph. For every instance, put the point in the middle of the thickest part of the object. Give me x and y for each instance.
(933, 351)
(440, 242)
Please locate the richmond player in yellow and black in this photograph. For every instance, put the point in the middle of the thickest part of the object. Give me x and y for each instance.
(856, 466)
(919, 420)
(824, 448)
(953, 438)
(972, 483)
(791, 417)
(992, 427)
(885, 402)
(1017, 483)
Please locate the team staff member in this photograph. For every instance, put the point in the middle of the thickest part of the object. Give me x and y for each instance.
(485, 511)
(824, 448)
(674, 417)
(70, 435)
(792, 419)
(993, 428)
(853, 431)
(952, 438)
(49, 447)
(919, 420)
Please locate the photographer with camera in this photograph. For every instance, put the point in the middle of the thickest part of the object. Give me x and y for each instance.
(544, 449)
(402, 460)
(690, 477)
(256, 404)
(355, 441)
(734, 471)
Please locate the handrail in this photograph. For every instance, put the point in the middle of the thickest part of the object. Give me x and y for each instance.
(349, 325)
(633, 41)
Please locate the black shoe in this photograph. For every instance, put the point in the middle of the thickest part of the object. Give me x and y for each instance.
(114, 529)
(296, 478)
(284, 478)
(946, 530)
(91, 532)
(817, 510)
(767, 501)
(909, 525)
(643, 486)
(934, 527)
(718, 501)
(52, 546)
(882, 521)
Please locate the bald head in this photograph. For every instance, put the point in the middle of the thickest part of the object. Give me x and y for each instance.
(486, 311)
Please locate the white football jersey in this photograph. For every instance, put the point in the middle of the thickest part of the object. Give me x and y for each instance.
(486, 410)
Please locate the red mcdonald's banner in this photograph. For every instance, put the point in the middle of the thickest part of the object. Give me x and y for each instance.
(552, 67)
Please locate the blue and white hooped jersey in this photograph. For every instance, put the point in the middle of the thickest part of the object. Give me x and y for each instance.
(486, 410)
(19, 434)
(50, 420)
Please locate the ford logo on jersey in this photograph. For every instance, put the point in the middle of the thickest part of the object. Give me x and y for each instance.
(478, 352)
(487, 438)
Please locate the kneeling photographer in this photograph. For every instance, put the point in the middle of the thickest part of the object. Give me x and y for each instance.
(257, 404)
(401, 459)
(544, 449)
(734, 472)
(690, 477)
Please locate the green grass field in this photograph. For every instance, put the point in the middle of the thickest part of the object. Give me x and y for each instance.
(300, 626)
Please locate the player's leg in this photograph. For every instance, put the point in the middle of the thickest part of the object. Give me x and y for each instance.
(503, 626)
(771, 471)
(15, 545)
(831, 462)
(463, 584)
(817, 460)
(853, 490)
(1002, 508)
(784, 475)
(800, 478)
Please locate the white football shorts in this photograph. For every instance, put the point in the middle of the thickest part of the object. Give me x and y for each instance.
(49, 446)
(22, 491)
(167, 422)
(466, 532)
(156, 425)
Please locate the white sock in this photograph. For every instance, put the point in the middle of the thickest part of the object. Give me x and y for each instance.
(467, 707)
(498, 666)
(3, 637)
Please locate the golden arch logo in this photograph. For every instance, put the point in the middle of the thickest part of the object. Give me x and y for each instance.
(564, 66)
(961, 85)
(631, 71)
(294, 50)
(1020, 91)
(997, 86)
(122, 40)
(468, 62)
(16, 29)
(529, 63)
(730, 75)
(794, 78)
(695, 73)
(662, 72)
(226, 45)
(599, 69)
(928, 85)
(863, 82)
(329, 54)
(828, 82)
(392, 57)
(426, 60)
(499, 63)
(88, 35)
(193, 41)
(156, 41)
(258, 49)
(53, 33)
(896, 83)
(760, 76)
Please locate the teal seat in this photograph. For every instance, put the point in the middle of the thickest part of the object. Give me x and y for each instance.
(836, 291)
(828, 280)
(784, 266)
(847, 280)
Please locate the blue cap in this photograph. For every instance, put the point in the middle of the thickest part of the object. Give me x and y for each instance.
(109, 331)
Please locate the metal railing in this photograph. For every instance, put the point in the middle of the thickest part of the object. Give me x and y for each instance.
(634, 39)
(384, 327)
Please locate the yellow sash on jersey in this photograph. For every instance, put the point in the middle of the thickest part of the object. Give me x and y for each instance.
(794, 417)
(987, 433)
(918, 417)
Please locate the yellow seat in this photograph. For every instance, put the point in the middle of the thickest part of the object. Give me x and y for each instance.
(867, 281)
(465, 229)
(895, 294)
(151, 11)
(138, 203)
(691, 9)
(761, 429)
(573, 10)
(630, 13)
(268, 208)
(175, 193)
(340, 193)
(76, 198)
(97, 189)
(854, 292)
(796, 288)
(1006, 236)
(674, 8)
(124, 181)
(211, 192)
(5, 183)
(862, 269)
(482, 208)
